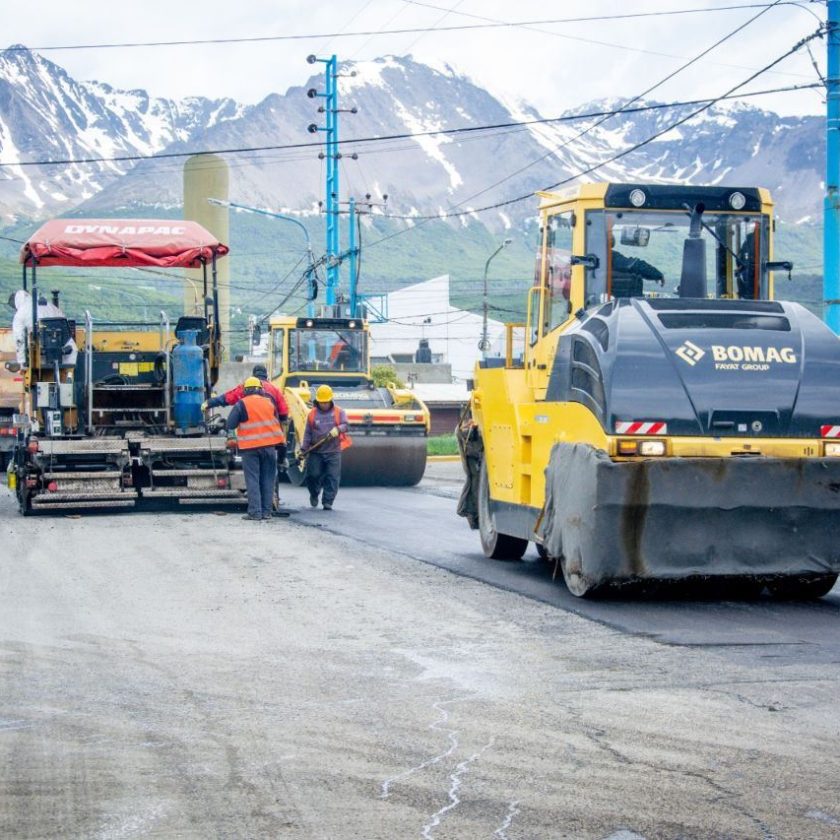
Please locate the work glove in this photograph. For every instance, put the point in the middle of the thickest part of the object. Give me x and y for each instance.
(204, 407)
(334, 432)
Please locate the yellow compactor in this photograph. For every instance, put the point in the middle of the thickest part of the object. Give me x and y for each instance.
(389, 426)
(660, 414)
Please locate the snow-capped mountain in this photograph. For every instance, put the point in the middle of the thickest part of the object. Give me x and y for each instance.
(47, 115)
(44, 114)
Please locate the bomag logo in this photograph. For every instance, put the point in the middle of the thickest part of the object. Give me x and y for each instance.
(689, 352)
(738, 357)
(735, 357)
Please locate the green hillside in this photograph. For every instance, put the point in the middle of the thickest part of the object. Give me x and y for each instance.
(267, 257)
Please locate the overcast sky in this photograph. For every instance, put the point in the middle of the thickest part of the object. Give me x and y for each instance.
(553, 68)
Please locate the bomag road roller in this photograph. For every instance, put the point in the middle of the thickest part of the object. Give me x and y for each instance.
(663, 417)
(389, 426)
(113, 410)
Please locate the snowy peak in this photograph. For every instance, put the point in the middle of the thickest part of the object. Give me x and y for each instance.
(47, 115)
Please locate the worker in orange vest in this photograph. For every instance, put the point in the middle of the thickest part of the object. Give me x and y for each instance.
(258, 434)
(326, 436)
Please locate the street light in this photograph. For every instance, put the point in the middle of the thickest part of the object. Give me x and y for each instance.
(311, 271)
(484, 344)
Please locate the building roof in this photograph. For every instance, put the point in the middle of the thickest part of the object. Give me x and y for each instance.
(438, 392)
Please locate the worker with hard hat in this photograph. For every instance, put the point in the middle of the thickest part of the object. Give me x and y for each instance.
(258, 434)
(324, 440)
(233, 396)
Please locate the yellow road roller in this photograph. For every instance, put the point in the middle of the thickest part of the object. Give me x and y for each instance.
(660, 415)
(389, 426)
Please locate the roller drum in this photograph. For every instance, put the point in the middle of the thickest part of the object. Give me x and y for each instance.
(384, 462)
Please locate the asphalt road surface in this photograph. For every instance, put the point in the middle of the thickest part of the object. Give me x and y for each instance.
(192, 675)
(420, 523)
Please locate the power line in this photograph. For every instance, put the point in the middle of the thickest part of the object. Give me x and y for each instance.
(255, 39)
(613, 158)
(379, 31)
(323, 48)
(627, 105)
(406, 135)
(435, 27)
(627, 15)
(624, 46)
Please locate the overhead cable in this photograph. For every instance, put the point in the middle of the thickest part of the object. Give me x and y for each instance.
(568, 118)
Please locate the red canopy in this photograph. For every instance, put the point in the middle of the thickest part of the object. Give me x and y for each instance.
(170, 243)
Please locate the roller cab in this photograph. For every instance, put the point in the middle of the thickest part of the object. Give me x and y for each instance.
(660, 414)
(388, 425)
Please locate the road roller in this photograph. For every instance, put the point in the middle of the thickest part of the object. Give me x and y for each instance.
(389, 425)
(660, 414)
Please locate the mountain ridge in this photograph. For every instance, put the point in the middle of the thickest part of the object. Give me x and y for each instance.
(46, 114)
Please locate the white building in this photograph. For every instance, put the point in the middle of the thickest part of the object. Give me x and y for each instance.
(424, 311)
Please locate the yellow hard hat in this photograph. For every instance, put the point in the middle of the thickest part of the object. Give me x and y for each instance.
(252, 382)
(324, 393)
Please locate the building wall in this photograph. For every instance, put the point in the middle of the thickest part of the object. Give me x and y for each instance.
(232, 374)
(424, 311)
(424, 372)
(444, 418)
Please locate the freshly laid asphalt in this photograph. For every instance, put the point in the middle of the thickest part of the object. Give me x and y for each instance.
(420, 523)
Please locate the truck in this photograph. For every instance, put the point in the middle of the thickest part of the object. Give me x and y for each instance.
(666, 416)
(112, 410)
(11, 391)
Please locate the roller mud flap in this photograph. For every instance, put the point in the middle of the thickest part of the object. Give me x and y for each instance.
(471, 449)
(685, 517)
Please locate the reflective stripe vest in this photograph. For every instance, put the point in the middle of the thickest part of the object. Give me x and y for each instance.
(344, 440)
(262, 428)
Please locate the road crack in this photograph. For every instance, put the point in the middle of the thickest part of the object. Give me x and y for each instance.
(455, 785)
(438, 725)
(512, 811)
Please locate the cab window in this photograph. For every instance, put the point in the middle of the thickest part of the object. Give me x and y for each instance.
(558, 270)
(648, 253)
(328, 349)
(277, 338)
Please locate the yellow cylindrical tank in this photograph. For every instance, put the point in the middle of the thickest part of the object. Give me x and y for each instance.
(208, 176)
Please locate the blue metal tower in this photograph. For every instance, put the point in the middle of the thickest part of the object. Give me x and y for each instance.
(831, 212)
(332, 153)
(330, 111)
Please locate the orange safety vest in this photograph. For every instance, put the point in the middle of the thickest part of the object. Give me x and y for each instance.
(262, 428)
(344, 440)
(336, 350)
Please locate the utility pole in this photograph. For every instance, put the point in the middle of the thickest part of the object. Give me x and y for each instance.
(331, 112)
(484, 344)
(831, 212)
(353, 257)
(356, 209)
(311, 270)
